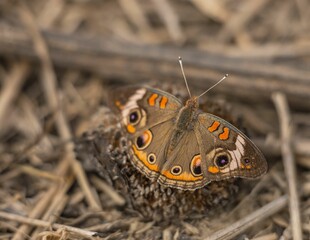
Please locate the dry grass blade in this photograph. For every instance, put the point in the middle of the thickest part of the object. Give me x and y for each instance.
(236, 23)
(117, 198)
(11, 88)
(170, 19)
(44, 201)
(135, 13)
(213, 8)
(50, 88)
(243, 224)
(41, 223)
(289, 163)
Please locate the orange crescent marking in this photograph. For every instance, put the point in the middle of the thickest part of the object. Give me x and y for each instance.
(147, 137)
(142, 157)
(152, 99)
(214, 126)
(131, 129)
(187, 177)
(213, 169)
(225, 134)
(163, 102)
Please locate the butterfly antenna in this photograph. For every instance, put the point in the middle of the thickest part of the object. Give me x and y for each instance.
(226, 75)
(181, 65)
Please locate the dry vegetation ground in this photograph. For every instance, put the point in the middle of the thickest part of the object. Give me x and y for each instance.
(57, 59)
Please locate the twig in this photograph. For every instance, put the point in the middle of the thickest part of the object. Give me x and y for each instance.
(286, 129)
(43, 202)
(171, 20)
(239, 20)
(45, 224)
(243, 224)
(270, 236)
(136, 14)
(213, 9)
(109, 57)
(58, 204)
(50, 88)
(38, 173)
(12, 85)
(117, 198)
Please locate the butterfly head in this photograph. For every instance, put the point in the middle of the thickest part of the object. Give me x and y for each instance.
(192, 103)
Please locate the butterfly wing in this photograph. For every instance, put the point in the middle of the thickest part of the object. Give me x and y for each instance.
(228, 152)
(147, 116)
(183, 166)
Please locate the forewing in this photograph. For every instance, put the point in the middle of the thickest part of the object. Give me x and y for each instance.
(147, 116)
(153, 107)
(228, 152)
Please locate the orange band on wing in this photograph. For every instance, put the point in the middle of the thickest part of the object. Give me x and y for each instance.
(213, 169)
(152, 99)
(187, 177)
(225, 134)
(143, 158)
(131, 129)
(246, 166)
(163, 102)
(214, 126)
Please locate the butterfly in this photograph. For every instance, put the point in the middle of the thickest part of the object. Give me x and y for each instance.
(179, 145)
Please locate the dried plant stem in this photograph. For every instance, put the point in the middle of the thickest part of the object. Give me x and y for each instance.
(50, 88)
(289, 163)
(237, 22)
(12, 85)
(103, 186)
(45, 224)
(43, 203)
(171, 19)
(58, 203)
(243, 224)
(109, 57)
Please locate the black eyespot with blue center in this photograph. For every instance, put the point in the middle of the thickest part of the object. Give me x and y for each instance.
(247, 161)
(134, 117)
(222, 161)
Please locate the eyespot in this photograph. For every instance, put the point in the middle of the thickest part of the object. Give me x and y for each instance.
(151, 158)
(222, 160)
(196, 166)
(134, 116)
(144, 139)
(176, 170)
(246, 161)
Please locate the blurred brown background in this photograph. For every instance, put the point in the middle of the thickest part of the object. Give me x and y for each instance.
(58, 57)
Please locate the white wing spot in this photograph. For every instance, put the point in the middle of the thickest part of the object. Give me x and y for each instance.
(237, 154)
(132, 103)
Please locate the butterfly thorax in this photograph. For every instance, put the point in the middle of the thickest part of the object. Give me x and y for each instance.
(187, 115)
(184, 122)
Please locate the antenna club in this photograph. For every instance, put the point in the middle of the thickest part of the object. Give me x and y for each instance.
(180, 59)
(226, 75)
